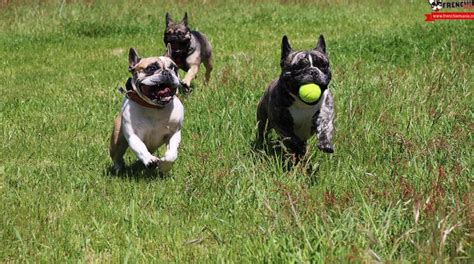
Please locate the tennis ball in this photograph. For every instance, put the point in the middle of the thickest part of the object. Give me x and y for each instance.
(310, 92)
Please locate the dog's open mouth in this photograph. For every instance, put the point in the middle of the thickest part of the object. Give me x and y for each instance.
(160, 93)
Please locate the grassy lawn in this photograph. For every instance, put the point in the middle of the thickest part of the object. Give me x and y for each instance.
(397, 189)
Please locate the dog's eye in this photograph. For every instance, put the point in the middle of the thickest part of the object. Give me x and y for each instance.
(151, 69)
(302, 64)
(174, 68)
(320, 63)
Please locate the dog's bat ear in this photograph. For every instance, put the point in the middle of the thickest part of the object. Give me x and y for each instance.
(133, 59)
(321, 45)
(168, 19)
(168, 51)
(285, 49)
(185, 19)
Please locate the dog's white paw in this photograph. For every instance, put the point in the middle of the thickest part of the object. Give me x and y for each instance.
(152, 162)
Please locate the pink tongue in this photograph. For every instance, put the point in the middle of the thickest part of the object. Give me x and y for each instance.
(164, 92)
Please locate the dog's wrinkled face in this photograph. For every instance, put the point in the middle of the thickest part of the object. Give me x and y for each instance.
(177, 34)
(155, 78)
(303, 67)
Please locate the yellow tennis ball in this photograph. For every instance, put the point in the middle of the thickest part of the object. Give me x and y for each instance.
(310, 92)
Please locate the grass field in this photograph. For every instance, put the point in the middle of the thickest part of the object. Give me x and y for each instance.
(397, 189)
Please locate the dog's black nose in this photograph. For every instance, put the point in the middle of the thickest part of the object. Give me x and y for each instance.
(166, 72)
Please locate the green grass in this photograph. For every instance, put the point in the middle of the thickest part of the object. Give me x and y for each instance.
(397, 189)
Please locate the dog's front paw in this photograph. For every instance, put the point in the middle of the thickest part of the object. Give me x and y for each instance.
(184, 88)
(326, 147)
(152, 163)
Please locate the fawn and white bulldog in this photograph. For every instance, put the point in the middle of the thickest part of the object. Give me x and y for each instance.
(151, 114)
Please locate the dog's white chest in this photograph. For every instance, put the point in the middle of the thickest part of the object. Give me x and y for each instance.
(302, 115)
(155, 129)
(152, 126)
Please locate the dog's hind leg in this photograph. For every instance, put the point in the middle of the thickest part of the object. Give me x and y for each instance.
(208, 65)
(262, 121)
(118, 144)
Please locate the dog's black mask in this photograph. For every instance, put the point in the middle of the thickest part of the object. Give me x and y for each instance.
(178, 34)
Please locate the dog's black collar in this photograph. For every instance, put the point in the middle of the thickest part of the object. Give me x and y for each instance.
(128, 85)
(184, 49)
(179, 55)
(182, 52)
